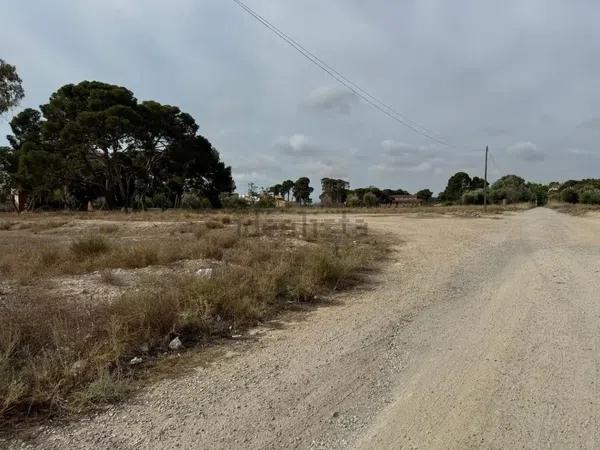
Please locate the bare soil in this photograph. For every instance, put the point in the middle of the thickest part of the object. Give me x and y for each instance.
(478, 333)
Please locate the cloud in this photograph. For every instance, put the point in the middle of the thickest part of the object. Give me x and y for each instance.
(297, 145)
(581, 152)
(497, 131)
(312, 159)
(321, 168)
(337, 99)
(409, 158)
(590, 124)
(526, 151)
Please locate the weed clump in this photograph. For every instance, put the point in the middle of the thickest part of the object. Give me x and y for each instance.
(90, 247)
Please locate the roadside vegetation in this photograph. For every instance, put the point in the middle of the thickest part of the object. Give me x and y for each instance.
(61, 354)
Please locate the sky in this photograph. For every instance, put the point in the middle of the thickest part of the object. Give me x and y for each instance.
(521, 76)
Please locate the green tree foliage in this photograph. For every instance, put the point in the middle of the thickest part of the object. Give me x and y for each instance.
(572, 191)
(335, 191)
(190, 200)
(287, 187)
(353, 201)
(539, 192)
(569, 195)
(234, 202)
(425, 195)
(512, 189)
(96, 140)
(277, 190)
(590, 196)
(11, 87)
(473, 197)
(458, 184)
(302, 191)
(477, 183)
(370, 199)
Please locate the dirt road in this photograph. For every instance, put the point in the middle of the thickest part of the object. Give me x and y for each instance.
(478, 333)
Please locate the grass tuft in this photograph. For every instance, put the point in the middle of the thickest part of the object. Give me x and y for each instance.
(90, 247)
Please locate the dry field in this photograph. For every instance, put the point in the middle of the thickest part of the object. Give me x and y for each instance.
(578, 209)
(90, 302)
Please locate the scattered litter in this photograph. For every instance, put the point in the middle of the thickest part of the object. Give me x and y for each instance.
(205, 272)
(175, 344)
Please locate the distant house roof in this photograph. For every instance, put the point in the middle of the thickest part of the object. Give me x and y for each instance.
(405, 199)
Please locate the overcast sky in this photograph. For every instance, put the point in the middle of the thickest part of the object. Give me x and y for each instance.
(522, 76)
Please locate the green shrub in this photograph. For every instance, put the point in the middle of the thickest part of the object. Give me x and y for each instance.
(234, 202)
(353, 201)
(161, 201)
(474, 197)
(590, 197)
(266, 201)
(569, 195)
(193, 201)
(370, 199)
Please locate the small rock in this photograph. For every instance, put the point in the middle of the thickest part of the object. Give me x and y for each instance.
(136, 360)
(78, 366)
(205, 272)
(175, 344)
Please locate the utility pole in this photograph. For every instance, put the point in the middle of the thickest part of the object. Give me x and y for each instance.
(485, 180)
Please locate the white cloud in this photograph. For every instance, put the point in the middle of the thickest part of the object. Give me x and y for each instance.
(337, 99)
(320, 168)
(401, 156)
(298, 145)
(526, 151)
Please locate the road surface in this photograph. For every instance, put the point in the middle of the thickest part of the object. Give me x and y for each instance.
(478, 333)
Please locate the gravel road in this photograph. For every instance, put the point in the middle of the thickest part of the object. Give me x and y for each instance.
(478, 333)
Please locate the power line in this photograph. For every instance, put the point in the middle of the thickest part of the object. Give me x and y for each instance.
(356, 89)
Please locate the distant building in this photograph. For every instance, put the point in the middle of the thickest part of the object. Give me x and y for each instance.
(406, 200)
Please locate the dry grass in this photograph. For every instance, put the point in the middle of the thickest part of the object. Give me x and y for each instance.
(111, 278)
(58, 356)
(578, 209)
(110, 228)
(90, 247)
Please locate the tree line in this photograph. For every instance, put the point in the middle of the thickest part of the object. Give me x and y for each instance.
(94, 142)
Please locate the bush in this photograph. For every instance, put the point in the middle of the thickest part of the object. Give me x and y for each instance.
(193, 201)
(90, 247)
(591, 197)
(353, 201)
(569, 195)
(370, 199)
(234, 202)
(160, 201)
(473, 197)
(266, 201)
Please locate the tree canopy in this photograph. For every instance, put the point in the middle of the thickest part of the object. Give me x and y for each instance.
(94, 139)
(335, 191)
(458, 184)
(11, 87)
(302, 191)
